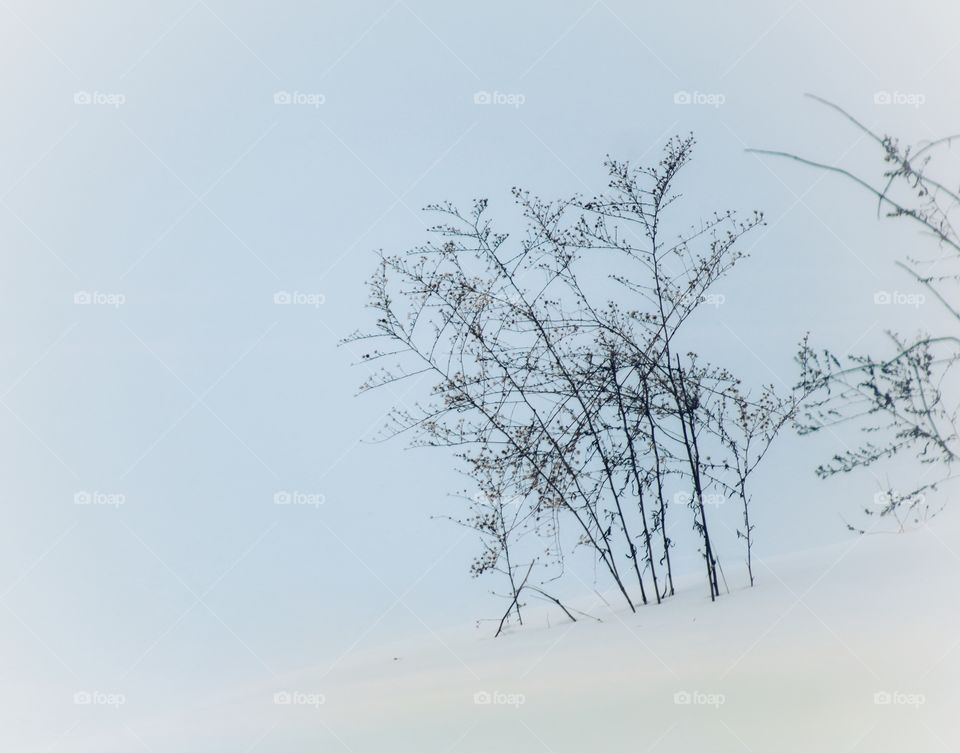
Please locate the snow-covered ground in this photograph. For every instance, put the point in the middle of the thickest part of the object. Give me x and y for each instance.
(848, 648)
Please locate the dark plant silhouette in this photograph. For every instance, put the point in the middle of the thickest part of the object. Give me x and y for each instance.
(563, 381)
(900, 400)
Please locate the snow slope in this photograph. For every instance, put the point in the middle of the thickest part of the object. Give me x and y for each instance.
(795, 664)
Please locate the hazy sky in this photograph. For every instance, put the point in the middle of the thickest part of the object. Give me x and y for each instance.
(178, 165)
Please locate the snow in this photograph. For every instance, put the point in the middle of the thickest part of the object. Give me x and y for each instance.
(847, 648)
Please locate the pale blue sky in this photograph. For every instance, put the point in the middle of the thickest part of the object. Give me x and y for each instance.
(184, 188)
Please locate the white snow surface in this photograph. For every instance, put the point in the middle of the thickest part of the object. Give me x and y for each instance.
(841, 649)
